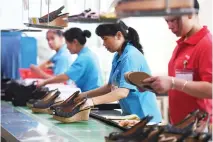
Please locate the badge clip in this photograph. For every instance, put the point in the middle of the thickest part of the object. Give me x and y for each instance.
(185, 62)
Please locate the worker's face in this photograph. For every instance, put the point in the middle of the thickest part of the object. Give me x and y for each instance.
(180, 25)
(113, 43)
(54, 40)
(72, 46)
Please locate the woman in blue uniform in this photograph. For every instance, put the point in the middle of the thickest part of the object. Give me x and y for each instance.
(124, 42)
(61, 61)
(85, 70)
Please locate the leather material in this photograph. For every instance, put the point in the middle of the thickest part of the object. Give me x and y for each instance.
(69, 100)
(47, 101)
(70, 109)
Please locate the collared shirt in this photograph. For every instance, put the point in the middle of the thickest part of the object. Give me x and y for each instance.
(141, 104)
(62, 60)
(197, 52)
(85, 71)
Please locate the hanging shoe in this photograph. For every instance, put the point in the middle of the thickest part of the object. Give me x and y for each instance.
(52, 15)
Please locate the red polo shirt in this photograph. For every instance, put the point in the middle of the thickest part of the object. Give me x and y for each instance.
(197, 50)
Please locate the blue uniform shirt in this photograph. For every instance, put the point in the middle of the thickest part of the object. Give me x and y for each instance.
(62, 60)
(141, 104)
(85, 71)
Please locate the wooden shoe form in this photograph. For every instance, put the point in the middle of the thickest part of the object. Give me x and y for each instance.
(145, 5)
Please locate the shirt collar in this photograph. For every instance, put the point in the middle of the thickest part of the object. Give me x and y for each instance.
(83, 50)
(118, 58)
(195, 38)
(64, 47)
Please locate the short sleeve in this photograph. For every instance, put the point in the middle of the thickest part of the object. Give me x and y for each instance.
(110, 76)
(77, 69)
(127, 66)
(61, 66)
(205, 64)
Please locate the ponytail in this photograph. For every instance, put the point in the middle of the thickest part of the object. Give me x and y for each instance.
(133, 38)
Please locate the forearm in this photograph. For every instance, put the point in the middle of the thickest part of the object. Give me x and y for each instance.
(44, 75)
(57, 79)
(99, 91)
(199, 89)
(113, 96)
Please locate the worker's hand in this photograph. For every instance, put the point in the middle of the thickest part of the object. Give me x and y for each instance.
(34, 68)
(80, 97)
(160, 84)
(89, 103)
(128, 123)
(40, 84)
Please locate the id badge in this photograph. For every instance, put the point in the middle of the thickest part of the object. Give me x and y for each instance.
(184, 74)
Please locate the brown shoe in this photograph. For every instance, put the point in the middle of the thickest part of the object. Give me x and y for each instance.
(72, 112)
(68, 100)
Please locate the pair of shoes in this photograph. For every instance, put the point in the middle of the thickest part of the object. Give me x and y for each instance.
(73, 111)
(42, 105)
(67, 101)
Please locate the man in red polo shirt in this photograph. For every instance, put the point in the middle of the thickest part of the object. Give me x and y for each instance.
(189, 83)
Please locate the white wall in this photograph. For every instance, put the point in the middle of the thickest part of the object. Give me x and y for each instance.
(158, 47)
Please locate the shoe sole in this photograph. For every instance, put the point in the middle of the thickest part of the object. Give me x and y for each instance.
(49, 111)
(29, 105)
(81, 116)
(38, 110)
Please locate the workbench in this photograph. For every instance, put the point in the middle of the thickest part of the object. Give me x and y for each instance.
(20, 124)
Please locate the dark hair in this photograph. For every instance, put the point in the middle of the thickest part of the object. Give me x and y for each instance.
(129, 33)
(57, 32)
(78, 34)
(196, 5)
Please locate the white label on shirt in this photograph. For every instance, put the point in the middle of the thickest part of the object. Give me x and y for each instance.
(185, 75)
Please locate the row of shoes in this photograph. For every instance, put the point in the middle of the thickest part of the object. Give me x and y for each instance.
(43, 100)
(56, 18)
(65, 111)
(191, 129)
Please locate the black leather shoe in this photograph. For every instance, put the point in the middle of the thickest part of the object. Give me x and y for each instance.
(72, 112)
(43, 105)
(132, 132)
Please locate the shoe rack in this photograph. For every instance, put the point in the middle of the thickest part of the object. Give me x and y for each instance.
(150, 8)
(47, 25)
(123, 9)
